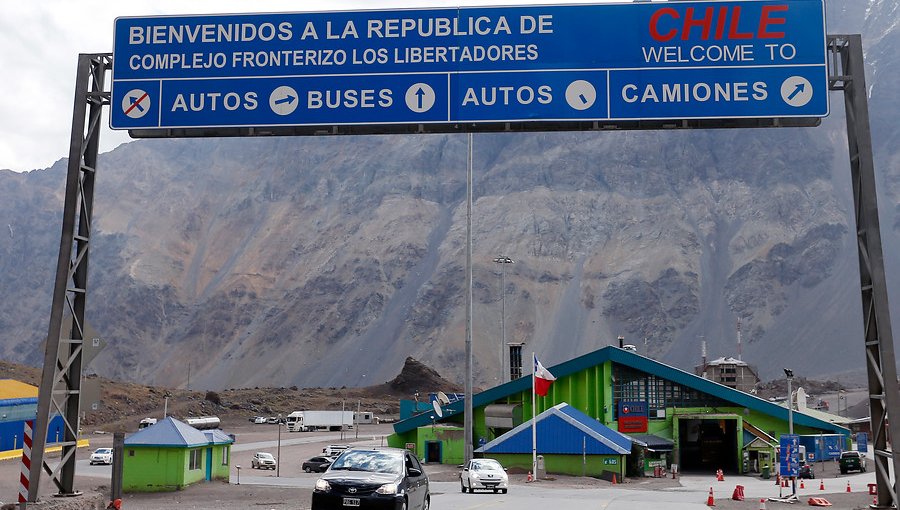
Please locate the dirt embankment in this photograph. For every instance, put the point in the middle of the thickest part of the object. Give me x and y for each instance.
(124, 404)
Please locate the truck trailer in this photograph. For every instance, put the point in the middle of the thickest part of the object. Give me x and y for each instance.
(305, 421)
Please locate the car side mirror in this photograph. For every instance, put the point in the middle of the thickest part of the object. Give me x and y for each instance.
(414, 472)
(505, 469)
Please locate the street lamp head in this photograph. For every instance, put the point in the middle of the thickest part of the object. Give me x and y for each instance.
(788, 373)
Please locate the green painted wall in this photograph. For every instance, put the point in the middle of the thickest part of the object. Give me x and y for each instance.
(453, 446)
(155, 469)
(567, 464)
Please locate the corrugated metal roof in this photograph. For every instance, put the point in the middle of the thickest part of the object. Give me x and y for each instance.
(168, 432)
(10, 388)
(654, 442)
(562, 429)
(635, 361)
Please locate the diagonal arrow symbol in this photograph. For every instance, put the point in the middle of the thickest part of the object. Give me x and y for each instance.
(134, 101)
(798, 89)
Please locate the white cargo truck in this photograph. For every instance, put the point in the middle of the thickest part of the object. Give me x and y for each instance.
(305, 421)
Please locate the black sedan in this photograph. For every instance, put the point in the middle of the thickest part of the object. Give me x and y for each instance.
(380, 478)
(317, 464)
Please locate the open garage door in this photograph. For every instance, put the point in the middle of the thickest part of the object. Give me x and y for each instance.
(707, 443)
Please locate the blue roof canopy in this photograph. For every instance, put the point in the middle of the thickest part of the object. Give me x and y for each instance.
(562, 429)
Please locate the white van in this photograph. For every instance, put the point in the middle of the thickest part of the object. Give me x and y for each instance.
(333, 450)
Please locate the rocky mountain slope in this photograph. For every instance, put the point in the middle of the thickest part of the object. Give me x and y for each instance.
(328, 261)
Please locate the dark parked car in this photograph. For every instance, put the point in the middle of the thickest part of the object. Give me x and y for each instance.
(806, 472)
(851, 461)
(381, 478)
(317, 464)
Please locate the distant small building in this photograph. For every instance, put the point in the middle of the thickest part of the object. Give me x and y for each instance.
(18, 404)
(730, 372)
(171, 455)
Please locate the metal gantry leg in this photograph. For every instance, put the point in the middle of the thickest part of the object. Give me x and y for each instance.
(847, 73)
(60, 388)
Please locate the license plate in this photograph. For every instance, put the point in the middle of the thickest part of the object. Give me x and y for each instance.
(351, 501)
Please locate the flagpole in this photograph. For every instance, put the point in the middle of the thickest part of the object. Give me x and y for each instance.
(533, 421)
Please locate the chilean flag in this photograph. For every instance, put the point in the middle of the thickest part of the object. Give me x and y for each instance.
(542, 378)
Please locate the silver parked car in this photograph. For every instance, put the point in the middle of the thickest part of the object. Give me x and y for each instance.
(263, 460)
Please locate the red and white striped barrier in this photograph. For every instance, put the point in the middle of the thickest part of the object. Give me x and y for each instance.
(26, 462)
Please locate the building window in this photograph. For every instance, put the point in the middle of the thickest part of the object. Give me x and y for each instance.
(196, 458)
(634, 385)
(515, 362)
(131, 453)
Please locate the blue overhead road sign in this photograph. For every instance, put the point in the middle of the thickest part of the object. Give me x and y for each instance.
(606, 62)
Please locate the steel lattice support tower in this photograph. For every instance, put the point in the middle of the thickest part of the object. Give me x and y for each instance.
(60, 389)
(847, 73)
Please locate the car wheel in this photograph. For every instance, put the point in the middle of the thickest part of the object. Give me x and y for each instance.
(462, 487)
(307, 469)
(427, 503)
(403, 505)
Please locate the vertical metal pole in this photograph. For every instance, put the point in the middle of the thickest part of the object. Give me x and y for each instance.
(61, 377)
(115, 491)
(278, 462)
(467, 419)
(848, 74)
(502, 322)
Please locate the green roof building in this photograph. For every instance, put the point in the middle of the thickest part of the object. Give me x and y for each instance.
(710, 426)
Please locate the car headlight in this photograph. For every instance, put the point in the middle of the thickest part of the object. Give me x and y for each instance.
(323, 485)
(388, 488)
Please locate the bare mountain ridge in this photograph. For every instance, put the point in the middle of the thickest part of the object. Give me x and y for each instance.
(328, 261)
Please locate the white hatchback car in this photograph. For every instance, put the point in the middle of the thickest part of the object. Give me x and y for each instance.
(485, 474)
(101, 456)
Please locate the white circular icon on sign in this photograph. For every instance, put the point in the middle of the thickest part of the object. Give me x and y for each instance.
(420, 97)
(284, 100)
(581, 95)
(796, 91)
(136, 103)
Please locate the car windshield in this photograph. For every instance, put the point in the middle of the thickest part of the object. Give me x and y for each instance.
(486, 465)
(266, 456)
(104, 450)
(368, 460)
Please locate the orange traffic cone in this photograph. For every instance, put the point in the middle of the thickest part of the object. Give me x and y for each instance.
(777, 478)
(848, 486)
(614, 479)
(709, 499)
(802, 485)
(720, 476)
(529, 478)
(762, 503)
(821, 485)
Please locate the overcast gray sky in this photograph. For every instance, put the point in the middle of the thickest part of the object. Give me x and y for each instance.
(39, 45)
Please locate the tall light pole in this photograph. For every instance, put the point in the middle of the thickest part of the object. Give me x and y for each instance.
(790, 377)
(503, 260)
(278, 461)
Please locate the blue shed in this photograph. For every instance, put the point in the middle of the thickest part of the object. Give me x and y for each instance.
(563, 432)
